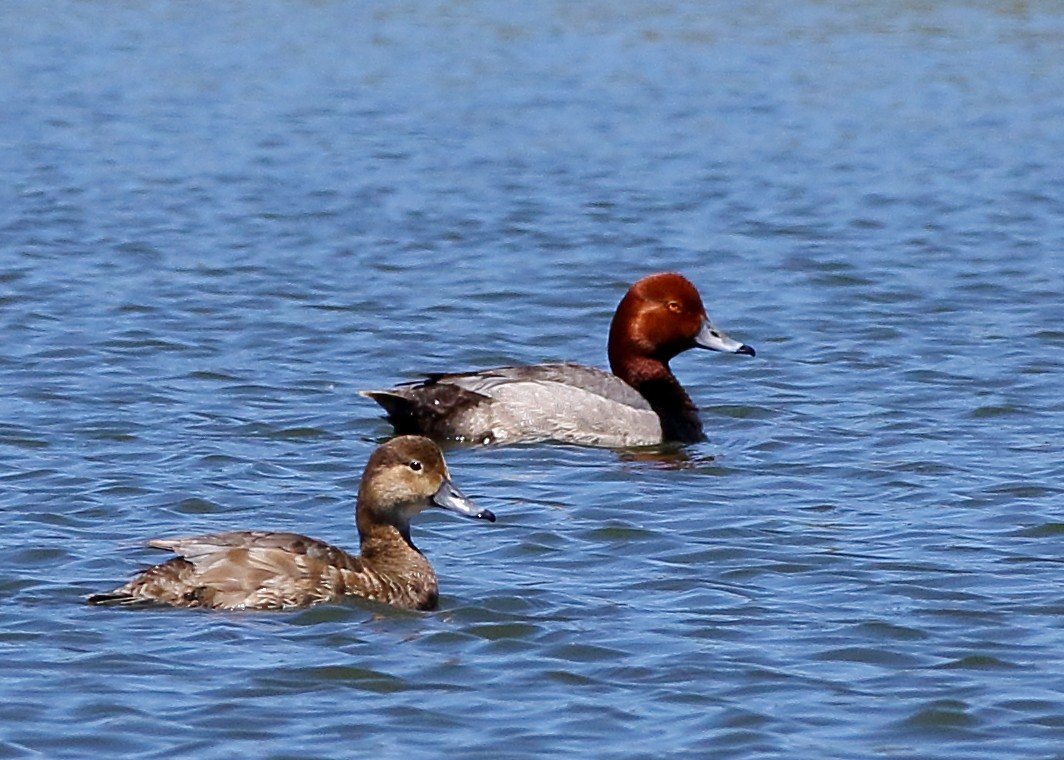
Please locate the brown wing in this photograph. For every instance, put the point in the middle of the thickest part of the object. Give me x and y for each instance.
(259, 570)
(242, 570)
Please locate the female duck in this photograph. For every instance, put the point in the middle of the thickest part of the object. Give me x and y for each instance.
(258, 570)
(641, 403)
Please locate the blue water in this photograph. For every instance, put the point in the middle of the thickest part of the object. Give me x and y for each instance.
(219, 221)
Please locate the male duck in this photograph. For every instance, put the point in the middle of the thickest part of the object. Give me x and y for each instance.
(640, 404)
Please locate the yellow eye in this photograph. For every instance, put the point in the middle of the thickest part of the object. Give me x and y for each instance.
(674, 307)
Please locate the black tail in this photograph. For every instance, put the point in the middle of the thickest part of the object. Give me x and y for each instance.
(405, 414)
(112, 598)
(432, 408)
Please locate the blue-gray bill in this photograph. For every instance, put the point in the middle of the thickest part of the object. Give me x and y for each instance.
(450, 498)
(713, 339)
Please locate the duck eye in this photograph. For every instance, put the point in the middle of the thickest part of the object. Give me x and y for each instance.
(414, 465)
(674, 307)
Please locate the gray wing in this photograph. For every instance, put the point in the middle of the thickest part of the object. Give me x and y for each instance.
(587, 379)
(562, 402)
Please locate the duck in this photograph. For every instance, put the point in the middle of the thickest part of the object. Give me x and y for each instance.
(259, 570)
(641, 403)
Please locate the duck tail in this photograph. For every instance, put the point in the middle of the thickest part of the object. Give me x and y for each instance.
(387, 399)
(400, 410)
(113, 598)
(431, 408)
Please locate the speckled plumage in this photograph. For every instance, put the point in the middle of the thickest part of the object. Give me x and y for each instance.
(264, 570)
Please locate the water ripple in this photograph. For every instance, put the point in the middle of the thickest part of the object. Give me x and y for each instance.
(218, 228)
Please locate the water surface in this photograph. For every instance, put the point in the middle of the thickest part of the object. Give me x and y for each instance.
(219, 222)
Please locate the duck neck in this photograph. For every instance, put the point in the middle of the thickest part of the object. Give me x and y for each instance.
(655, 382)
(385, 545)
(395, 570)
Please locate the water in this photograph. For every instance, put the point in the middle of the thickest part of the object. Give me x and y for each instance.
(218, 222)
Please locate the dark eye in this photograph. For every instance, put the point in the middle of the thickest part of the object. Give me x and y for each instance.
(414, 465)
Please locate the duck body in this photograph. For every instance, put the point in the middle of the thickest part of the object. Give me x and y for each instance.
(564, 402)
(243, 570)
(640, 404)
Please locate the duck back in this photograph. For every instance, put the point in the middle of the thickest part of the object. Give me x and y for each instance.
(570, 403)
(260, 570)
